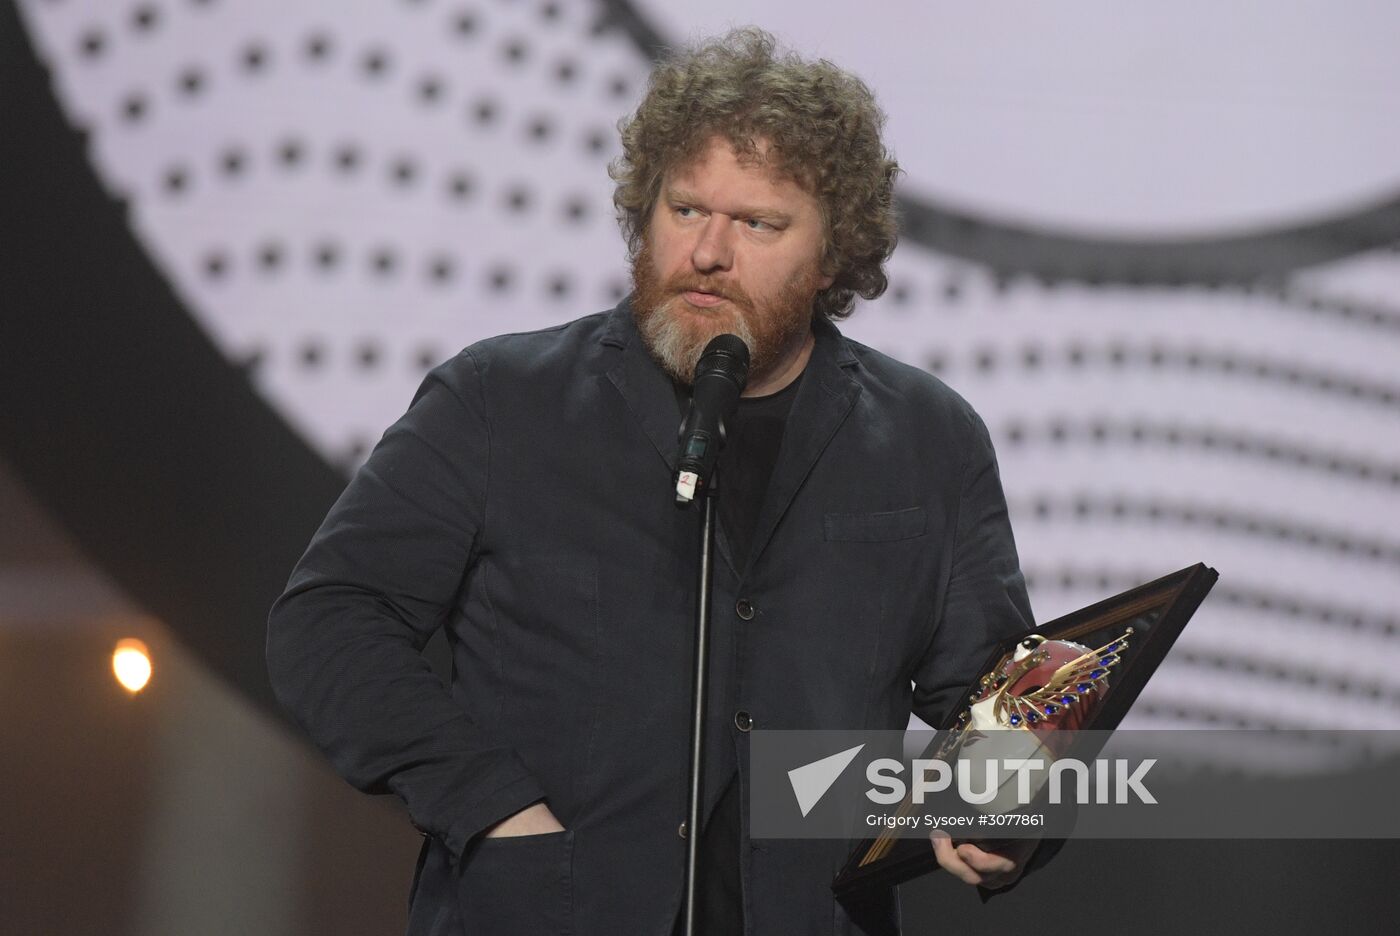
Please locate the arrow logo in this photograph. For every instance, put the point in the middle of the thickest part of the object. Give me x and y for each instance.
(811, 781)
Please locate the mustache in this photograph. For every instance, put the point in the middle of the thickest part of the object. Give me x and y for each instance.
(730, 291)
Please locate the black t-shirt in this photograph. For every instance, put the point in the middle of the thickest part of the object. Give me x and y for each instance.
(752, 439)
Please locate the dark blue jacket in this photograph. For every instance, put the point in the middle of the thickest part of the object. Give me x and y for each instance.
(523, 502)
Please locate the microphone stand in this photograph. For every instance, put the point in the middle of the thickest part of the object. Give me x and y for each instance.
(699, 700)
(720, 377)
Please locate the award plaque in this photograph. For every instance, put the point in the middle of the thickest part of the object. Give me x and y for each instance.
(1040, 690)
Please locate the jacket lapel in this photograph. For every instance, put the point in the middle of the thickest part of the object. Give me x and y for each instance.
(824, 400)
(643, 384)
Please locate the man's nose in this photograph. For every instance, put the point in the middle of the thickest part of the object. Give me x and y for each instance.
(714, 251)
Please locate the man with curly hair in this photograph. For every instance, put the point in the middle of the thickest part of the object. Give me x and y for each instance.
(866, 560)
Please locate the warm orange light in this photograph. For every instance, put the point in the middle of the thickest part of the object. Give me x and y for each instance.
(131, 662)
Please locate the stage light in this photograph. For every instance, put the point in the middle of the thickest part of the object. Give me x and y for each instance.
(131, 662)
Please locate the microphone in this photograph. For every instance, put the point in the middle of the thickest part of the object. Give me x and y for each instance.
(720, 376)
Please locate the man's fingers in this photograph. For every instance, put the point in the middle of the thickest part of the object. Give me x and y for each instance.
(984, 862)
(970, 864)
(950, 860)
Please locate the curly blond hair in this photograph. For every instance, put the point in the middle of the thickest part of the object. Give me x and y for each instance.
(822, 127)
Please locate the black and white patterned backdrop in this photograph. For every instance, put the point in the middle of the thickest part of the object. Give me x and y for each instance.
(1170, 282)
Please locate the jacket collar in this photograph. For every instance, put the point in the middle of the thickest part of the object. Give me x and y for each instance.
(825, 398)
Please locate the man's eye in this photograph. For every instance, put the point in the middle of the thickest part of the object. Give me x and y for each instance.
(686, 212)
(757, 225)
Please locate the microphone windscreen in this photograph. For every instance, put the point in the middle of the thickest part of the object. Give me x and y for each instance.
(727, 355)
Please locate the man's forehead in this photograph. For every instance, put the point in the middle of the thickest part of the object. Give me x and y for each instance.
(755, 153)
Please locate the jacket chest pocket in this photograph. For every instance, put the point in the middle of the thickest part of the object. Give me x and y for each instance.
(877, 603)
(881, 526)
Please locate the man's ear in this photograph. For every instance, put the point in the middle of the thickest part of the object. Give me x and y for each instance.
(827, 264)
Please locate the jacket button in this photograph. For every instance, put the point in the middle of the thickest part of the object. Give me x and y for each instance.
(744, 608)
(682, 830)
(742, 721)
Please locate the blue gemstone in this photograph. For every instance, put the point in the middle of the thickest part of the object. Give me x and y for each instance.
(1084, 687)
(1110, 648)
(1067, 699)
(1032, 717)
(1014, 720)
(1051, 709)
(1097, 673)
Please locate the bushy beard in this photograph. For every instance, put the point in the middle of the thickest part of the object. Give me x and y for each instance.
(676, 333)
